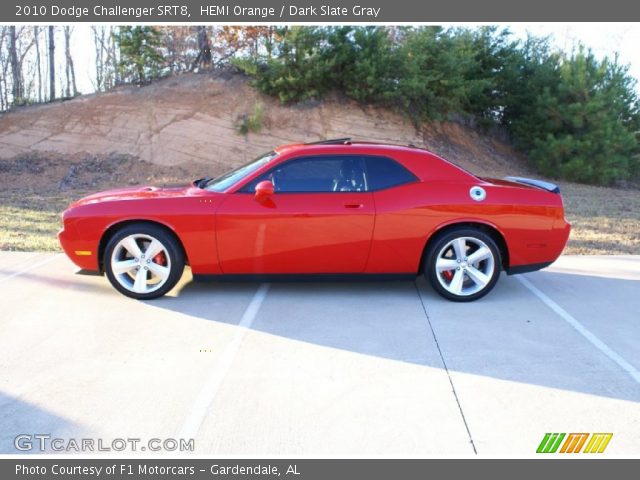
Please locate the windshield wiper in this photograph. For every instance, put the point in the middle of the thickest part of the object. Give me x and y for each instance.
(202, 182)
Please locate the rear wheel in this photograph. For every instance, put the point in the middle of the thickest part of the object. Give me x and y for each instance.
(463, 264)
(143, 261)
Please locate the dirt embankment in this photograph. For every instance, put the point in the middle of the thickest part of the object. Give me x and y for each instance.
(187, 126)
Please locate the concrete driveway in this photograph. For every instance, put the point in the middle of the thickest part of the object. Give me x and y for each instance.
(323, 369)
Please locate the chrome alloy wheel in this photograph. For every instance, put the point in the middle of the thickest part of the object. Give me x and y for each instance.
(140, 263)
(465, 266)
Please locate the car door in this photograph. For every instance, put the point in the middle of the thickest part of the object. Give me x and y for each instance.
(319, 220)
(401, 220)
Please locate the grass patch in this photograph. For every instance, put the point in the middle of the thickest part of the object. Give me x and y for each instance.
(30, 222)
(604, 220)
(251, 122)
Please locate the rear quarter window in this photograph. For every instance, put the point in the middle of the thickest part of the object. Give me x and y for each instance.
(384, 172)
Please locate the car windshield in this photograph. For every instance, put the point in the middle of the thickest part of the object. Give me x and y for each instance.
(223, 182)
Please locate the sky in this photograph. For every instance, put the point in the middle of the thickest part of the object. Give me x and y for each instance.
(605, 39)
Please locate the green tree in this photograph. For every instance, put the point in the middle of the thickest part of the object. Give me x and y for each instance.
(140, 57)
(363, 63)
(580, 119)
(310, 62)
(489, 48)
(296, 71)
(429, 75)
(449, 71)
(529, 69)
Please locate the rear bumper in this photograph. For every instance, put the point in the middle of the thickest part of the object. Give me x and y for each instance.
(532, 267)
(537, 252)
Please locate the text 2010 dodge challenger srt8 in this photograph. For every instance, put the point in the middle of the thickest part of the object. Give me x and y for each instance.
(323, 209)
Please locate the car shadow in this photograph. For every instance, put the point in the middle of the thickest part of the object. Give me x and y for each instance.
(87, 285)
(509, 334)
(20, 418)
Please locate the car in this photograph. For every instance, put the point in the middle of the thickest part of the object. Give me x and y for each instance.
(324, 210)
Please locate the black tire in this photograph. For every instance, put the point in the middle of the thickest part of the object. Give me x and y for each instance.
(440, 248)
(175, 261)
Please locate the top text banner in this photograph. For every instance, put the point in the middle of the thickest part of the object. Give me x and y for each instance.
(311, 11)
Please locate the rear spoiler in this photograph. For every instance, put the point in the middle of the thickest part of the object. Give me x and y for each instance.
(548, 186)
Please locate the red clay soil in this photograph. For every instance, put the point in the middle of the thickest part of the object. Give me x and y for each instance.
(184, 127)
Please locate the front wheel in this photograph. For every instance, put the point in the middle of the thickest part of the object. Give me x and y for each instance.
(143, 261)
(463, 264)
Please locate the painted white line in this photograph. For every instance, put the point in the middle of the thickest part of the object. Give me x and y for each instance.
(212, 384)
(582, 330)
(29, 268)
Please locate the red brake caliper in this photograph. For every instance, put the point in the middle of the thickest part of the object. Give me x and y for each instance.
(160, 259)
(448, 275)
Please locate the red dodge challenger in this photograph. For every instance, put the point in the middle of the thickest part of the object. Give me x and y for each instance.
(325, 209)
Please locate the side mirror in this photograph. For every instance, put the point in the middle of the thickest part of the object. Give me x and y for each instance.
(264, 190)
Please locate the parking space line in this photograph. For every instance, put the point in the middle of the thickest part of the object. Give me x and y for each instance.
(582, 330)
(33, 266)
(446, 369)
(212, 384)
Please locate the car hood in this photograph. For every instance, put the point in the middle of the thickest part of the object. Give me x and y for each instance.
(133, 193)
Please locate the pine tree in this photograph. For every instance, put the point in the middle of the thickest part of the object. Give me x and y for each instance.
(140, 58)
(363, 63)
(581, 122)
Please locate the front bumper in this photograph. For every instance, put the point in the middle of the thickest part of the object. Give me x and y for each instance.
(79, 251)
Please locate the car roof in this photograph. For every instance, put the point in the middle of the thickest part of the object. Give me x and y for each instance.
(342, 144)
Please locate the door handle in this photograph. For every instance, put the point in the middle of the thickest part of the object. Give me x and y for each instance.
(353, 205)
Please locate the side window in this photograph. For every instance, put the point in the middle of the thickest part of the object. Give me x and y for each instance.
(339, 173)
(383, 172)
